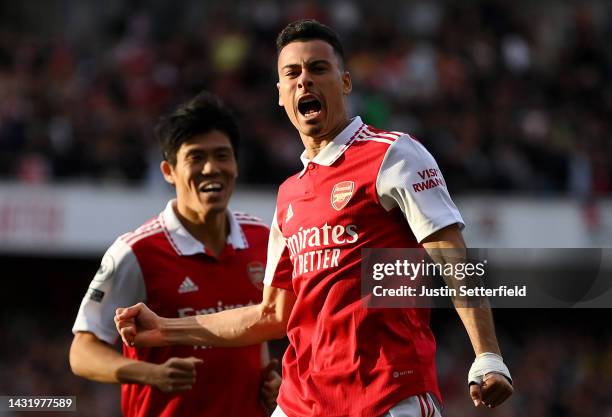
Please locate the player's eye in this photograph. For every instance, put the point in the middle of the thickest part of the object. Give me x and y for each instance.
(195, 158)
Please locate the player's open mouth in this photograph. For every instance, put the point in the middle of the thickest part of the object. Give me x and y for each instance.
(309, 107)
(212, 187)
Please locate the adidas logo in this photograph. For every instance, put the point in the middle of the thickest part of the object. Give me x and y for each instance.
(289, 214)
(187, 286)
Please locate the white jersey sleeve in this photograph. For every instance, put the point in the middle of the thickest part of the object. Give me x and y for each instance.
(118, 283)
(278, 264)
(409, 178)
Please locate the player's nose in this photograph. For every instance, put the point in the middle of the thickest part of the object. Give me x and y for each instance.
(305, 80)
(210, 167)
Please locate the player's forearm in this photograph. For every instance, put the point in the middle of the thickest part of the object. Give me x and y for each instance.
(95, 360)
(448, 247)
(230, 328)
(478, 322)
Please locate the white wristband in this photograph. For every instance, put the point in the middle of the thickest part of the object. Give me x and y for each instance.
(487, 363)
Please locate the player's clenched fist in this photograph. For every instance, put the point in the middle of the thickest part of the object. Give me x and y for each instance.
(138, 326)
(494, 390)
(489, 380)
(175, 375)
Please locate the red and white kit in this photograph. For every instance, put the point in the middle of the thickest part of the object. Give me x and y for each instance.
(163, 265)
(366, 189)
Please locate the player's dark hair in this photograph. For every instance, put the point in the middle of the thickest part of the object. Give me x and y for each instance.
(306, 30)
(202, 114)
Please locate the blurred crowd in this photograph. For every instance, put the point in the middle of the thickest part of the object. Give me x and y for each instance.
(559, 370)
(508, 95)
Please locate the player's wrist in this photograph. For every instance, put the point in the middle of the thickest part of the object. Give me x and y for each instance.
(150, 374)
(138, 372)
(166, 331)
(487, 363)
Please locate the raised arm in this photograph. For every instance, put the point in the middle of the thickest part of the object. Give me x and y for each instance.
(243, 326)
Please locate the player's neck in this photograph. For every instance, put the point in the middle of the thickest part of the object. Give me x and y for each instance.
(315, 144)
(211, 229)
(212, 232)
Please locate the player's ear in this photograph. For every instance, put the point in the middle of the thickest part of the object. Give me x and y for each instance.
(347, 83)
(167, 172)
(280, 100)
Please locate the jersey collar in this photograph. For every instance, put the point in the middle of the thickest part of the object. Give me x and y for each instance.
(334, 149)
(185, 244)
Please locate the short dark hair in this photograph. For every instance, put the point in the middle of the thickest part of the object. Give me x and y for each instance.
(309, 29)
(202, 114)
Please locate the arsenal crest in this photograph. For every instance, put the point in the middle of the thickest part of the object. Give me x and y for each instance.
(341, 194)
(255, 271)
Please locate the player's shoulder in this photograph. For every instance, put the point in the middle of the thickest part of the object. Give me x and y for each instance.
(374, 141)
(373, 134)
(152, 227)
(400, 144)
(248, 221)
(119, 254)
(386, 143)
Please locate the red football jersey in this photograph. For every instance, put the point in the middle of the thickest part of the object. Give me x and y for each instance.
(163, 265)
(366, 189)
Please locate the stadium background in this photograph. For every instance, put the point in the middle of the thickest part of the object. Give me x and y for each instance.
(514, 99)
